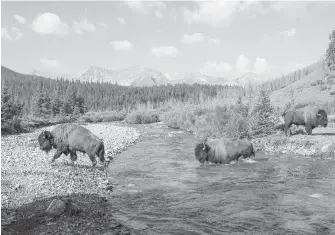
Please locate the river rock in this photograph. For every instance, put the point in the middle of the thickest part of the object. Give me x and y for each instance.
(326, 148)
(56, 207)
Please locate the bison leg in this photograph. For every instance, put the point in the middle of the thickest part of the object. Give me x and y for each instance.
(73, 157)
(287, 127)
(93, 160)
(308, 129)
(57, 155)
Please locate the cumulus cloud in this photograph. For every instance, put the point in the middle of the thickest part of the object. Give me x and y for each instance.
(145, 7)
(216, 13)
(215, 41)
(260, 66)
(289, 33)
(158, 14)
(20, 19)
(12, 34)
(83, 25)
(165, 51)
(124, 45)
(103, 25)
(49, 63)
(49, 23)
(192, 38)
(213, 68)
(290, 9)
(243, 64)
(121, 20)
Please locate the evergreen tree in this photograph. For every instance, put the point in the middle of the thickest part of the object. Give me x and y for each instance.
(37, 101)
(262, 115)
(56, 102)
(6, 104)
(46, 105)
(330, 54)
(76, 111)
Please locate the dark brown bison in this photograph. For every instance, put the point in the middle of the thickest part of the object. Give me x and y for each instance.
(222, 151)
(310, 117)
(70, 138)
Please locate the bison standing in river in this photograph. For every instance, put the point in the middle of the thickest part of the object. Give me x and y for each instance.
(310, 117)
(222, 151)
(69, 138)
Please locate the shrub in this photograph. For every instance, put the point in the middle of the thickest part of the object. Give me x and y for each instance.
(313, 84)
(138, 117)
(319, 82)
(324, 87)
(332, 93)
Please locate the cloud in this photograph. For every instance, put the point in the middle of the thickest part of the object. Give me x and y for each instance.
(121, 20)
(290, 9)
(242, 64)
(165, 51)
(49, 63)
(213, 68)
(215, 41)
(103, 25)
(260, 66)
(20, 19)
(192, 38)
(217, 13)
(83, 25)
(14, 34)
(144, 7)
(158, 14)
(289, 33)
(121, 45)
(49, 23)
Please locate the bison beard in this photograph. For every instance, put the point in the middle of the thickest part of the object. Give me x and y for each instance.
(70, 138)
(223, 152)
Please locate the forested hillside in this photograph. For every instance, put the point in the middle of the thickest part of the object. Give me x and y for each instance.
(25, 89)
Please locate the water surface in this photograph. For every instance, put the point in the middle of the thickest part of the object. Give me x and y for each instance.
(162, 189)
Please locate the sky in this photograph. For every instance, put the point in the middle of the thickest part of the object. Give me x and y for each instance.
(216, 38)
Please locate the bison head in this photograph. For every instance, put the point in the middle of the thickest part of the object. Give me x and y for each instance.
(45, 139)
(321, 118)
(201, 152)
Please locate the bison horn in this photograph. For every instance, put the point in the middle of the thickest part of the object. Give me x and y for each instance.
(318, 115)
(204, 148)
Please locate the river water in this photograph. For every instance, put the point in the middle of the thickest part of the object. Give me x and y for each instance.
(162, 189)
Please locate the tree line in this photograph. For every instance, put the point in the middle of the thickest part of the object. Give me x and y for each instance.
(38, 96)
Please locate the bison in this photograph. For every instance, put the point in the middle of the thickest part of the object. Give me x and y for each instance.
(222, 151)
(310, 117)
(70, 138)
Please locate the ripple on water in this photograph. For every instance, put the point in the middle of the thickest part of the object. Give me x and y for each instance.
(168, 192)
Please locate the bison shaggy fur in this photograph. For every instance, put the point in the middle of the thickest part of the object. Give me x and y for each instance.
(70, 138)
(310, 117)
(222, 151)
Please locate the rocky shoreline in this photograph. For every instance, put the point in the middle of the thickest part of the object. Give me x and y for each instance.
(28, 176)
(320, 144)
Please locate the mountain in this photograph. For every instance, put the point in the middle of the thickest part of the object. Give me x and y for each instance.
(131, 76)
(248, 78)
(191, 78)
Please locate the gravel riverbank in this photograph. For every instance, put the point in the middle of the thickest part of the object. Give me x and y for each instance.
(27, 175)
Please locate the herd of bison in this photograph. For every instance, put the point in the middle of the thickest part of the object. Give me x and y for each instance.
(70, 138)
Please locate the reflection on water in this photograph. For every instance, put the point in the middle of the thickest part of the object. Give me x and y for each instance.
(162, 189)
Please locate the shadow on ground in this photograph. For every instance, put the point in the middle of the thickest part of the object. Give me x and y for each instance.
(95, 217)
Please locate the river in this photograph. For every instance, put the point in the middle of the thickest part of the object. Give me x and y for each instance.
(162, 189)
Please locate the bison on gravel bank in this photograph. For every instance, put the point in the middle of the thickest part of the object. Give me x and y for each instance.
(69, 138)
